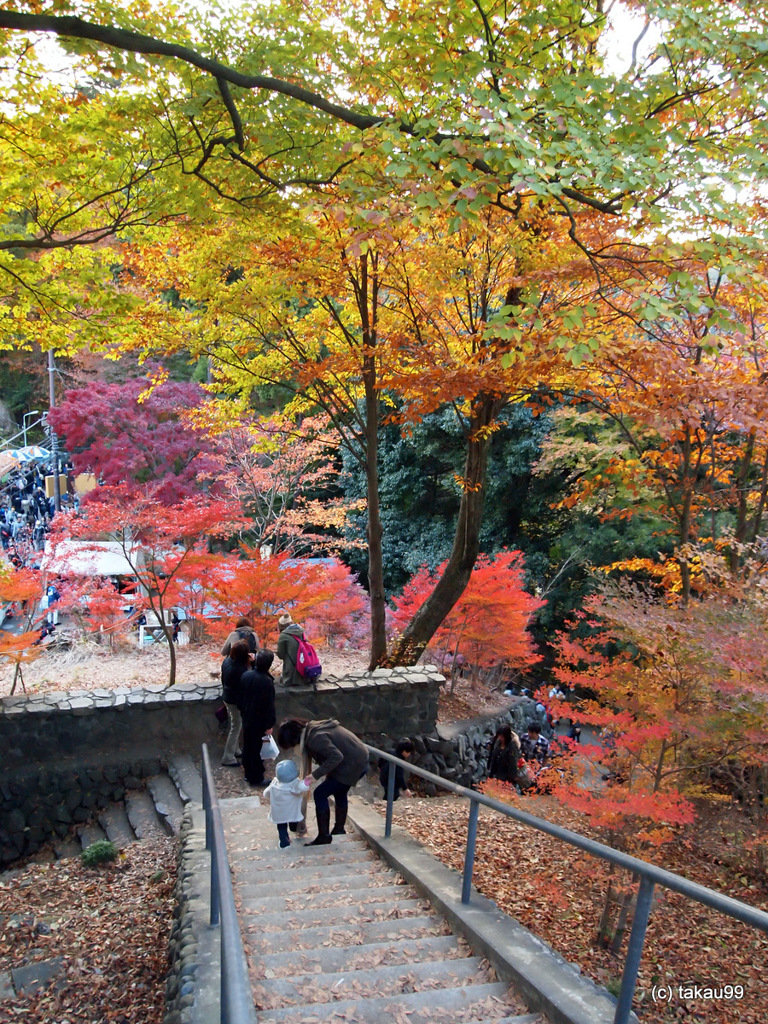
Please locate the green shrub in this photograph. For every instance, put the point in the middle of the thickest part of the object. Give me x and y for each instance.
(100, 852)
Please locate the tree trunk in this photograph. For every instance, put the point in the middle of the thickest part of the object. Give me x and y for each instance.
(18, 678)
(410, 645)
(686, 518)
(168, 634)
(740, 531)
(627, 901)
(375, 532)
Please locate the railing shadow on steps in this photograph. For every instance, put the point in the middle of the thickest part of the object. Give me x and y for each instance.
(236, 1000)
(650, 875)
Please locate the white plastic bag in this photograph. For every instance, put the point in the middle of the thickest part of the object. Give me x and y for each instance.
(269, 749)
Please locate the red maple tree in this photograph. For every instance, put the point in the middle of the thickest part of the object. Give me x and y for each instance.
(22, 589)
(488, 625)
(322, 594)
(156, 540)
(135, 434)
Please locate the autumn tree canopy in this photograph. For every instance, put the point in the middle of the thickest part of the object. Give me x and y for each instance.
(135, 434)
(462, 106)
(513, 197)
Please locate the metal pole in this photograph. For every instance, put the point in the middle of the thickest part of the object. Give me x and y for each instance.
(469, 855)
(390, 799)
(634, 951)
(210, 845)
(54, 442)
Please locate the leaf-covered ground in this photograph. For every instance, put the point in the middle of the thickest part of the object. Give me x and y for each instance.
(88, 665)
(558, 892)
(110, 927)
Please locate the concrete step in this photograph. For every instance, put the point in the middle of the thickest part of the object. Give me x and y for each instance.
(353, 934)
(372, 982)
(288, 882)
(389, 910)
(188, 780)
(89, 834)
(168, 803)
(315, 858)
(522, 1018)
(335, 899)
(142, 815)
(114, 821)
(328, 960)
(429, 1007)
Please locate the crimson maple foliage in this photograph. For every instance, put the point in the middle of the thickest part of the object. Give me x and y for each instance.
(135, 434)
(488, 625)
(157, 541)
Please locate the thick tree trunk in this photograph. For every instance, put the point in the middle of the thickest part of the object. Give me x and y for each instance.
(375, 532)
(409, 646)
(686, 519)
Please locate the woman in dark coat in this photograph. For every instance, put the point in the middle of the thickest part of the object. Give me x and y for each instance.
(257, 708)
(232, 668)
(505, 753)
(342, 760)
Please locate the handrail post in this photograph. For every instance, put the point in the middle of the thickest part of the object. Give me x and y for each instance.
(469, 853)
(209, 843)
(390, 799)
(634, 951)
(236, 1001)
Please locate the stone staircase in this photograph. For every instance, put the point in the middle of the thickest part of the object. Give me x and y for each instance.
(332, 934)
(158, 809)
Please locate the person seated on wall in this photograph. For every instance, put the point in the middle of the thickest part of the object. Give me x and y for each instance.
(288, 650)
(404, 750)
(342, 760)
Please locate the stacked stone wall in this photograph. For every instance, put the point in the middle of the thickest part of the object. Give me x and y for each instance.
(41, 803)
(68, 755)
(459, 751)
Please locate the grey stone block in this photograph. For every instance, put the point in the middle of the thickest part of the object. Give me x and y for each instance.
(38, 976)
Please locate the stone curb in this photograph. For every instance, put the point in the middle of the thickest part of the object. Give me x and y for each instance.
(192, 982)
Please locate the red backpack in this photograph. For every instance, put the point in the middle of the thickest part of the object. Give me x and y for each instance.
(307, 661)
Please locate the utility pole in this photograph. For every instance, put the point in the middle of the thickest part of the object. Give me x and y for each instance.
(54, 441)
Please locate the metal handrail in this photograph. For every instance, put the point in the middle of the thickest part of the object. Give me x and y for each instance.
(236, 999)
(650, 874)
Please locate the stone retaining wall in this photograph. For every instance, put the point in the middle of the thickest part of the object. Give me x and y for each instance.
(67, 755)
(157, 719)
(41, 803)
(194, 961)
(459, 751)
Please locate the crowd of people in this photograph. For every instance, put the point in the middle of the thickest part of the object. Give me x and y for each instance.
(339, 758)
(26, 511)
(248, 690)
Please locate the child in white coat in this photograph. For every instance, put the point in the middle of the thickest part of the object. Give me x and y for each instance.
(285, 794)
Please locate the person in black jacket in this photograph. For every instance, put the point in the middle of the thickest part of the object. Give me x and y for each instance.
(403, 750)
(232, 668)
(257, 708)
(504, 755)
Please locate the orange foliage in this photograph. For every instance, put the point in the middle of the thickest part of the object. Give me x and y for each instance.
(489, 623)
(322, 595)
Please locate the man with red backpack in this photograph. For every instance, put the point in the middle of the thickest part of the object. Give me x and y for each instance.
(301, 665)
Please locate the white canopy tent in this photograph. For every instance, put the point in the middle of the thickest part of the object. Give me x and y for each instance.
(87, 558)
